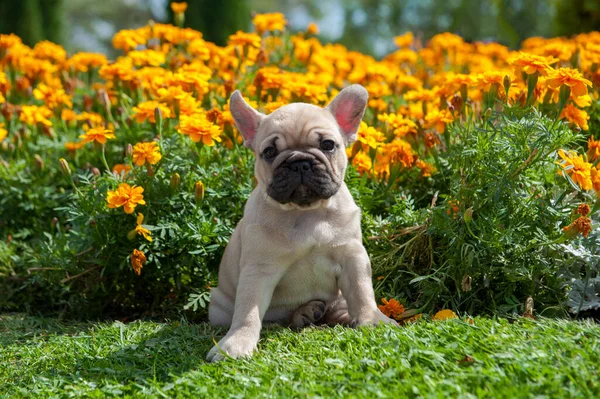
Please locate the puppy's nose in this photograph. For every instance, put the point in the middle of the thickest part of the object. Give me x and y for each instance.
(300, 166)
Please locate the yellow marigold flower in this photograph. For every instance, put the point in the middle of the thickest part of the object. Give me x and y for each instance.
(362, 163)
(446, 41)
(438, 119)
(398, 124)
(420, 95)
(126, 196)
(269, 22)
(8, 41)
(146, 152)
(99, 134)
(580, 170)
(575, 116)
(139, 229)
(145, 111)
(128, 39)
(32, 115)
(404, 40)
(138, 260)
(244, 39)
(444, 314)
(199, 129)
(68, 115)
(530, 63)
(121, 70)
(427, 169)
(82, 62)
(369, 136)
(179, 8)
(391, 308)
(121, 169)
(53, 97)
(582, 225)
(147, 57)
(273, 105)
(3, 132)
(569, 77)
(593, 151)
(49, 51)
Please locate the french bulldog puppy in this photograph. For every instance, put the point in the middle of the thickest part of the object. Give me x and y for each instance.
(296, 257)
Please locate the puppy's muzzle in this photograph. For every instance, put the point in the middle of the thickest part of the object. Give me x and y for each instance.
(301, 181)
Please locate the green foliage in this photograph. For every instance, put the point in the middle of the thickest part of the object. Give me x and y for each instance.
(493, 236)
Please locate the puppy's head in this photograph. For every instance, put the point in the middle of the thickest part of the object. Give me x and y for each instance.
(300, 148)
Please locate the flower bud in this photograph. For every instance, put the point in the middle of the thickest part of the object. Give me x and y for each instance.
(199, 191)
(466, 283)
(158, 116)
(488, 113)
(64, 166)
(175, 181)
(128, 151)
(506, 83)
(96, 171)
(54, 222)
(149, 170)
(39, 162)
(131, 235)
(468, 215)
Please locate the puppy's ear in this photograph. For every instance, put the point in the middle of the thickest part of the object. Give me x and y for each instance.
(246, 118)
(348, 108)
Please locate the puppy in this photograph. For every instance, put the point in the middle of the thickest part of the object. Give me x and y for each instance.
(296, 257)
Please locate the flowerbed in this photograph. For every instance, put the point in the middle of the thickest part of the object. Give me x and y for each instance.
(475, 166)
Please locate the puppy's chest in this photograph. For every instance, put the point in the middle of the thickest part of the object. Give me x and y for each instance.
(312, 277)
(310, 231)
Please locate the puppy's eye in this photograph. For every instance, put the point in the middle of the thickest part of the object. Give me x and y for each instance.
(269, 153)
(327, 145)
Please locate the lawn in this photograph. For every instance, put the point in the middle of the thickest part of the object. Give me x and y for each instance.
(42, 357)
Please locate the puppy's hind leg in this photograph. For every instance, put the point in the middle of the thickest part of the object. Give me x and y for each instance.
(337, 313)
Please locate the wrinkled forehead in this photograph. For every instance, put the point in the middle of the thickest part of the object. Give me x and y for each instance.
(298, 123)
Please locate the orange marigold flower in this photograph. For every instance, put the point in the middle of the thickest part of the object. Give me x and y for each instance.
(438, 119)
(596, 179)
(391, 308)
(444, 314)
(583, 209)
(362, 162)
(312, 29)
(199, 128)
(138, 260)
(145, 111)
(580, 170)
(569, 77)
(575, 116)
(179, 8)
(427, 169)
(593, 151)
(71, 146)
(126, 196)
(121, 169)
(82, 62)
(53, 97)
(398, 151)
(8, 41)
(244, 39)
(146, 152)
(99, 134)
(582, 225)
(269, 22)
(139, 229)
(49, 51)
(530, 63)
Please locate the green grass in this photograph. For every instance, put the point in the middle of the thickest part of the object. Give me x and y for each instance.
(553, 358)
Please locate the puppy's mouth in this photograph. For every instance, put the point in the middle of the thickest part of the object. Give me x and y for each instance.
(302, 183)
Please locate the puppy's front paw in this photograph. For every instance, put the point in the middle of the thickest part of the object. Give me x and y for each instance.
(374, 319)
(235, 345)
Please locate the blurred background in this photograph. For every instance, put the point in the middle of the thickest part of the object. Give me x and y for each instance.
(363, 25)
